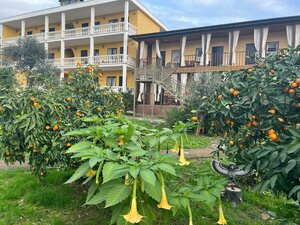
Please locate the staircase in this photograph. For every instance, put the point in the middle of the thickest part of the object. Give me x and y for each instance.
(163, 76)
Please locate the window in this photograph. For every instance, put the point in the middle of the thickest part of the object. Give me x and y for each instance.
(198, 54)
(97, 23)
(112, 51)
(175, 56)
(84, 24)
(121, 50)
(113, 21)
(52, 29)
(50, 55)
(96, 52)
(111, 81)
(29, 33)
(84, 53)
(250, 54)
(272, 47)
(42, 31)
(120, 81)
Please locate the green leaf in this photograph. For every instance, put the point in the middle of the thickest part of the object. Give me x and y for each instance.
(273, 180)
(167, 168)
(291, 164)
(153, 191)
(110, 142)
(294, 190)
(81, 146)
(148, 176)
(293, 147)
(92, 119)
(112, 171)
(138, 153)
(81, 132)
(117, 194)
(92, 190)
(80, 172)
(134, 172)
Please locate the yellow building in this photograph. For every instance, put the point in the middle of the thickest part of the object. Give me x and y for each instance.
(170, 61)
(90, 32)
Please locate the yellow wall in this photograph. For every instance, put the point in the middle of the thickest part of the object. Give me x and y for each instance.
(146, 25)
(117, 74)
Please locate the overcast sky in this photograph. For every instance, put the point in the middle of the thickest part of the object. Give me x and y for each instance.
(184, 13)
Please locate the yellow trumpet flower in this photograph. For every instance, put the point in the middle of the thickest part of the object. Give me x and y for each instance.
(164, 201)
(222, 220)
(190, 215)
(133, 216)
(182, 160)
(176, 147)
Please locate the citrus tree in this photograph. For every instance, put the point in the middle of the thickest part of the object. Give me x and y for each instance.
(127, 173)
(259, 111)
(34, 119)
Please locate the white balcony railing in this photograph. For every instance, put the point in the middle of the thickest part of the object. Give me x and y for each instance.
(72, 62)
(108, 59)
(78, 32)
(115, 89)
(104, 29)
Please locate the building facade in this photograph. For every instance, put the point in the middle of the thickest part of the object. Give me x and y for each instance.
(89, 32)
(168, 62)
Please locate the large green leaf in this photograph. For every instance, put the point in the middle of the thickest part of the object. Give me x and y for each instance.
(291, 164)
(167, 168)
(80, 172)
(112, 171)
(117, 194)
(81, 146)
(153, 191)
(148, 176)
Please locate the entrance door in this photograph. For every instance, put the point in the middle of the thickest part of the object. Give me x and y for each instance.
(217, 55)
(250, 54)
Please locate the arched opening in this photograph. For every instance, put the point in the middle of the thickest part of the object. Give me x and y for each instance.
(69, 53)
(69, 26)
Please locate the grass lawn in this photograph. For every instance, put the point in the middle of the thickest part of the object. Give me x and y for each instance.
(193, 142)
(26, 201)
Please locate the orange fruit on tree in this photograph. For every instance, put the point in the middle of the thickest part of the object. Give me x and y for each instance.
(231, 90)
(232, 123)
(250, 70)
(293, 85)
(249, 124)
(236, 93)
(35, 104)
(220, 97)
(292, 91)
(71, 78)
(66, 73)
(280, 120)
(273, 137)
(272, 131)
(255, 123)
(231, 142)
(99, 109)
(32, 99)
(194, 118)
(69, 99)
(272, 111)
(297, 81)
(47, 127)
(68, 145)
(55, 127)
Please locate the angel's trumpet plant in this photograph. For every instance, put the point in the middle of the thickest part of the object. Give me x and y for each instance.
(190, 215)
(133, 216)
(164, 201)
(176, 147)
(222, 220)
(182, 160)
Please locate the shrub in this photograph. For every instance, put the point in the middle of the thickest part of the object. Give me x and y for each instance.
(33, 120)
(259, 111)
(174, 115)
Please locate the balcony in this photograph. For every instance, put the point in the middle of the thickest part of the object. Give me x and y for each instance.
(95, 31)
(216, 62)
(101, 61)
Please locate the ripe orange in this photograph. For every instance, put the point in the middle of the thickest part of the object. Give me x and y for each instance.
(231, 142)
(293, 85)
(35, 104)
(32, 99)
(254, 117)
(249, 124)
(272, 131)
(236, 93)
(99, 109)
(55, 127)
(272, 111)
(69, 99)
(255, 123)
(250, 70)
(292, 91)
(71, 78)
(231, 90)
(280, 120)
(194, 118)
(220, 97)
(297, 81)
(47, 127)
(66, 73)
(68, 145)
(273, 137)
(232, 123)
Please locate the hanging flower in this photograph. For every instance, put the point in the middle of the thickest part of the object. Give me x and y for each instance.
(133, 216)
(182, 160)
(176, 147)
(119, 140)
(222, 219)
(164, 201)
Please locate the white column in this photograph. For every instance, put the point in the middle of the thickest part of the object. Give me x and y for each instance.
(46, 27)
(63, 24)
(92, 48)
(124, 75)
(62, 74)
(126, 16)
(23, 28)
(62, 52)
(46, 46)
(92, 20)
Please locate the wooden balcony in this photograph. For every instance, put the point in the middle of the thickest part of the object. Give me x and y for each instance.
(216, 62)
